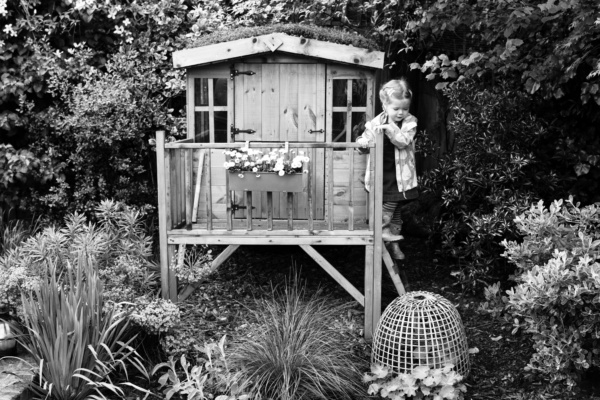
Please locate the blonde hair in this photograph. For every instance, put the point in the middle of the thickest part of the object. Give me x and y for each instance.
(395, 89)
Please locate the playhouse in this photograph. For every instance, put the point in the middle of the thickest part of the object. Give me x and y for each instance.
(268, 92)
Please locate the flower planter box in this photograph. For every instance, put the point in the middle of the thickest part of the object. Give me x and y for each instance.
(267, 182)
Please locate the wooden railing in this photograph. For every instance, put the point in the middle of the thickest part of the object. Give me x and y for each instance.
(180, 189)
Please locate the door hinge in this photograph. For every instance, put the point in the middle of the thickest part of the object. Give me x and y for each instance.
(234, 72)
(235, 131)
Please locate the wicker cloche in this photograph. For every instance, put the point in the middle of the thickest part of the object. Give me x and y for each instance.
(420, 328)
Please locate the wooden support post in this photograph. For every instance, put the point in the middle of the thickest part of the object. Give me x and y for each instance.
(209, 212)
(369, 328)
(189, 187)
(378, 216)
(167, 277)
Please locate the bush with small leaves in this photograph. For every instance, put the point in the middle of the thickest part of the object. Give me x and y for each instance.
(556, 298)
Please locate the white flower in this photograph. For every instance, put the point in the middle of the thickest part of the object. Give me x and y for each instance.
(119, 30)
(9, 30)
(113, 12)
(3, 11)
(126, 22)
(281, 173)
(254, 169)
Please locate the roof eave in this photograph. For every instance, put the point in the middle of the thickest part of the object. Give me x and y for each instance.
(278, 42)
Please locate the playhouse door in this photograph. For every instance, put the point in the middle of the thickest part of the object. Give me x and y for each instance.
(278, 103)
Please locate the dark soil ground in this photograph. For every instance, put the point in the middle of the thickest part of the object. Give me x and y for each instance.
(497, 370)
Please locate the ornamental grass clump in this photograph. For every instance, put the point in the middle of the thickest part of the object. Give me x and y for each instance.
(293, 351)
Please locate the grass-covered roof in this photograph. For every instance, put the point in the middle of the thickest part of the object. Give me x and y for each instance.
(307, 31)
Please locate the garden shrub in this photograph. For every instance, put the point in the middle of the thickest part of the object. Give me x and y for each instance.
(295, 351)
(492, 173)
(85, 96)
(210, 377)
(81, 347)
(557, 296)
(120, 250)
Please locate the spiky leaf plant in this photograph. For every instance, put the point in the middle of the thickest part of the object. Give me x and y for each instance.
(294, 353)
(76, 345)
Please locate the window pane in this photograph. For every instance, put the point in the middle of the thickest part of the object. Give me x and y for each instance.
(359, 92)
(220, 91)
(339, 126)
(220, 126)
(201, 128)
(358, 124)
(340, 93)
(200, 92)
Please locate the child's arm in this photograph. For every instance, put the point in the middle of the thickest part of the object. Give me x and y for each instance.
(367, 137)
(402, 136)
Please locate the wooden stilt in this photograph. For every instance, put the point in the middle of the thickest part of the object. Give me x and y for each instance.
(171, 278)
(369, 328)
(163, 163)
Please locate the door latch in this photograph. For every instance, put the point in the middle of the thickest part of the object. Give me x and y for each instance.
(317, 131)
(235, 207)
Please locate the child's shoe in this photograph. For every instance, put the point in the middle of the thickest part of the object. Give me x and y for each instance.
(394, 250)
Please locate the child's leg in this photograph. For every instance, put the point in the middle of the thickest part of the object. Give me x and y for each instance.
(396, 223)
(389, 208)
(396, 229)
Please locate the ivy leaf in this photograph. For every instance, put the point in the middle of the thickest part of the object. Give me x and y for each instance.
(582, 169)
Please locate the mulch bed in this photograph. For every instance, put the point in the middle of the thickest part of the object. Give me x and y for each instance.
(497, 371)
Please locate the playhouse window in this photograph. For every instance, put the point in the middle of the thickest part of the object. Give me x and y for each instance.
(210, 110)
(349, 109)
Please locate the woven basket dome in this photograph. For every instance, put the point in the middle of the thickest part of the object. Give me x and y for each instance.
(420, 328)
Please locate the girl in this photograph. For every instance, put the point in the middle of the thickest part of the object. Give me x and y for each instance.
(399, 172)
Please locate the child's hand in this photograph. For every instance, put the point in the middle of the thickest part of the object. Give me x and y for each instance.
(386, 129)
(364, 142)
